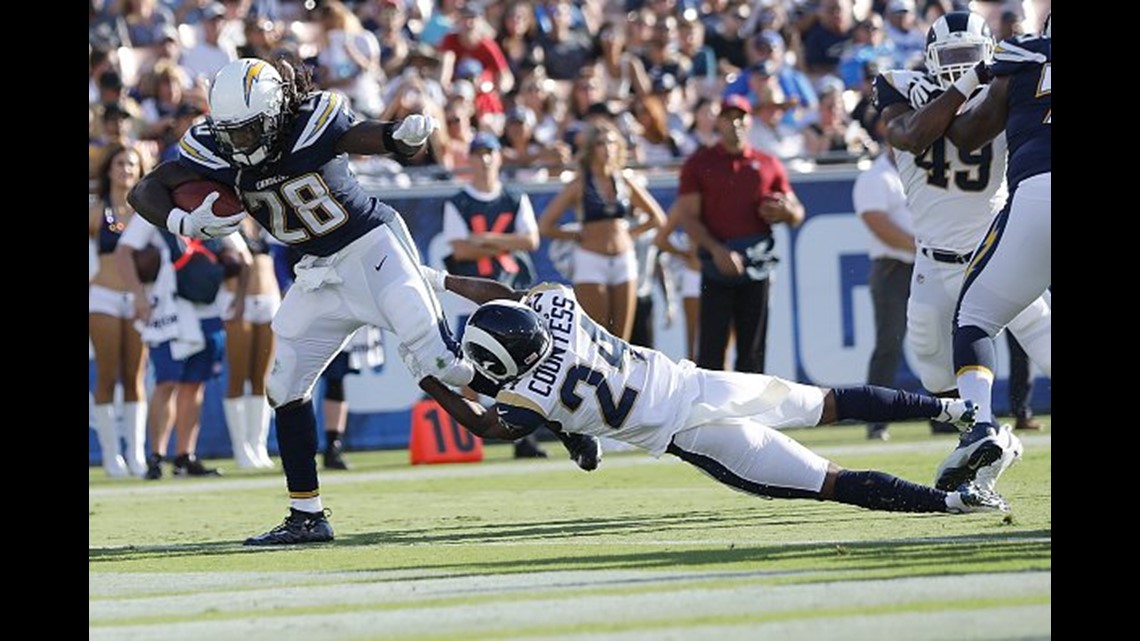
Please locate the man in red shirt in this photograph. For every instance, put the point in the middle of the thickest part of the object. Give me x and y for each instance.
(473, 39)
(730, 196)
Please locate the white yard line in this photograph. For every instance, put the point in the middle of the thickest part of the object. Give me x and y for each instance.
(657, 605)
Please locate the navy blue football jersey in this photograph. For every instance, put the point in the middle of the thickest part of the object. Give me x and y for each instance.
(1028, 61)
(309, 199)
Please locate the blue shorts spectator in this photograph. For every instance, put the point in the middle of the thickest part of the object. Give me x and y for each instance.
(199, 368)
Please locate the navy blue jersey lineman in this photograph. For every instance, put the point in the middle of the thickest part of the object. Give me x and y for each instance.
(1011, 266)
(285, 147)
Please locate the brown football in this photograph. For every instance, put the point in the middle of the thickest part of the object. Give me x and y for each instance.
(147, 261)
(189, 195)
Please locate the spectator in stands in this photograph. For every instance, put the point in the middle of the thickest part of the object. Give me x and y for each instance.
(605, 197)
(444, 16)
(517, 37)
(249, 350)
(262, 38)
(473, 38)
(524, 157)
(902, 31)
(824, 34)
(704, 78)
(167, 88)
(620, 71)
(703, 131)
(565, 49)
(868, 44)
(146, 20)
(834, 138)
(120, 354)
(535, 93)
(722, 32)
(349, 58)
(655, 143)
(459, 116)
(660, 57)
(768, 131)
(767, 55)
(388, 20)
(106, 27)
(728, 208)
(202, 60)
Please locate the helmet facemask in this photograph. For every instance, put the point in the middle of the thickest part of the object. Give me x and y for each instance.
(249, 142)
(947, 60)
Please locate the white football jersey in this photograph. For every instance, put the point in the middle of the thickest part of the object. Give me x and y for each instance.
(595, 383)
(953, 195)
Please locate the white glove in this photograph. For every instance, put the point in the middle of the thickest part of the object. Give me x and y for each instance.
(411, 362)
(202, 223)
(922, 91)
(434, 277)
(415, 129)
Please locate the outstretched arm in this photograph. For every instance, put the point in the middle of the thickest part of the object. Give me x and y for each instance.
(479, 290)
(478, 420)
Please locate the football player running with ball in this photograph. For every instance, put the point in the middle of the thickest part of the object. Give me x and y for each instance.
(285, 147)
(558, 367)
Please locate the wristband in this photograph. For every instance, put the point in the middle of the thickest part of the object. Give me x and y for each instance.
(174, 220)
(391, 145)
(967, 83)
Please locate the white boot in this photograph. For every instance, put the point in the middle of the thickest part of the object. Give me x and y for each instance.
(108, 432)
(257, 414)
(134, 430)
(236, 422)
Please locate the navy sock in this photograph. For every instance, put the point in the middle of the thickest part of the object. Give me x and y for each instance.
(973, 347)
(297, 442)
(881, 491)
(872, 403)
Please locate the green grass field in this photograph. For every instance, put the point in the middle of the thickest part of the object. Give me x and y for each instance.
(641, 549)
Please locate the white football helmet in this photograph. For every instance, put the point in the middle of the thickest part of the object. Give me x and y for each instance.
(955, 43)
(247, 110)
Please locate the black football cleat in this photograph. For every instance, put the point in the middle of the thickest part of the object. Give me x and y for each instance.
(334, 459)
(186, 465)
(299, 527)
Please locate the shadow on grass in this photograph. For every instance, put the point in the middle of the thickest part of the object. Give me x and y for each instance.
(444, 547)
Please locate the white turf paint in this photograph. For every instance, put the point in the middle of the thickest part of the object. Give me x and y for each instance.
(482, 469)
(666, 605)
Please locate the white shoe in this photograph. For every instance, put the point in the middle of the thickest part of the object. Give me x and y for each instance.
(959, 412)
(115, 466)
(969, 498)
(1011, 450)
(983, 453)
